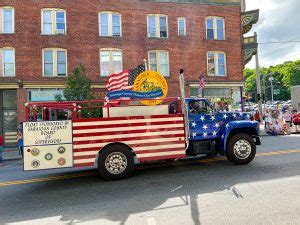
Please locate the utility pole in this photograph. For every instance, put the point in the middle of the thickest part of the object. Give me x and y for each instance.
(259, 96)
(271, 78)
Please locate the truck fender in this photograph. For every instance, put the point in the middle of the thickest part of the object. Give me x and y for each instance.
(235, 127)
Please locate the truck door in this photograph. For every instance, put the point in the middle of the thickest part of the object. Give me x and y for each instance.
(202, 120)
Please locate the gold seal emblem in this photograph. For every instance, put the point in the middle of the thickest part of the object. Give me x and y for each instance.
(150, 81)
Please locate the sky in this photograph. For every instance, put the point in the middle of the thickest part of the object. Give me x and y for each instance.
(279, 21)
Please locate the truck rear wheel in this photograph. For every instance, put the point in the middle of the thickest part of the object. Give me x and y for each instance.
(115, 162)
(241, 149)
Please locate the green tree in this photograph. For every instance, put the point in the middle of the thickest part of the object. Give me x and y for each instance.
(78, 88)
(285, 76)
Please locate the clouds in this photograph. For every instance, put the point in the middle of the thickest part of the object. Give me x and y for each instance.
(279, 21)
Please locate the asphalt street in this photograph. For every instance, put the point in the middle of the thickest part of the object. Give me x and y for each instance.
(212, 191)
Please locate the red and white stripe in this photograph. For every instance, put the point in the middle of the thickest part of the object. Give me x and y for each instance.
(118, 81)
(151, 138)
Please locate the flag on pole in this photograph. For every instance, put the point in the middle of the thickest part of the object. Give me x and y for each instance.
(123, 81)
(202, 81)
(201, 85)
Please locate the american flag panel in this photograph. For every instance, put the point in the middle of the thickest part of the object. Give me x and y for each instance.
(150, 137)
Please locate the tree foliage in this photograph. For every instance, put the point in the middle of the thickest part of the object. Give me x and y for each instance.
(78, 88)
(285, 76)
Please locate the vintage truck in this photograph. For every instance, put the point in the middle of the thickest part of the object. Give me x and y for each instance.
(62, 135)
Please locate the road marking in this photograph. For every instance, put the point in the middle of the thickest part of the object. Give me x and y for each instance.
(43, 179)
(62, 177)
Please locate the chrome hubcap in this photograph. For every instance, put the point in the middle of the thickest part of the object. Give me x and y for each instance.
(242, 149)
(116, 162)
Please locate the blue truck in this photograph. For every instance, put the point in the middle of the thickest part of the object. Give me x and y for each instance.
(226, 133)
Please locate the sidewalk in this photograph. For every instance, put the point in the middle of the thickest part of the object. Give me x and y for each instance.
(10, 154)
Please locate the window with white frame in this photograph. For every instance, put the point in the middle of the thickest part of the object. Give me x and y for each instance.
(7, 26)
(110, 24)
(157, 26)
(110, 61)
(181, 26)
(8, 62)
(53, 21)
(215, 28)
(54, 62)
(159, 61)
(216, 64)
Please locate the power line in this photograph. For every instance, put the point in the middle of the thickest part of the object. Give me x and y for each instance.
(279, 42)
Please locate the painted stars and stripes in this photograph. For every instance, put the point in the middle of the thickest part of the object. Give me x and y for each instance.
(134, 73)
(213, 126)
(151, 138)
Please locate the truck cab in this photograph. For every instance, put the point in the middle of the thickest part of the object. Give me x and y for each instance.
(226, 133)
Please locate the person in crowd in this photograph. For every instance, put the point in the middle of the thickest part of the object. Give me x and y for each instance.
(296, 119)
(257, 116)
(278, 128)
(287, 116)
(268, 119)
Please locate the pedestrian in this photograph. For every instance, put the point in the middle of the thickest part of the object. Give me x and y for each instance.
(20, 139)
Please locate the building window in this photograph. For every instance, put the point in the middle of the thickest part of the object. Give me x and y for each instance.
(181, 26)
(110, 24)
(159, 61)
(215, 28)
(110, 61)
(216, 64)
(8, 62)
(53, 21)
(157, 26)
(54, 62)
(7, 26)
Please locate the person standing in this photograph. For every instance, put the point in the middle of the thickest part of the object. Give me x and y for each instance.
(287, 116)
(257, 116)
(296, 119)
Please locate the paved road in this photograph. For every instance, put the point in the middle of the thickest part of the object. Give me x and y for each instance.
(210, 192)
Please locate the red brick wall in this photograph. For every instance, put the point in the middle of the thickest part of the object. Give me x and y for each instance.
(83, 42)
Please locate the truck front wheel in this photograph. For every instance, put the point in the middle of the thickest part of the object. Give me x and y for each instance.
(115, 162)
(241, 149)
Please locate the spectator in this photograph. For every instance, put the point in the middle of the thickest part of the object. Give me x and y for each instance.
(296, 119)
(257, 116)
(287, 116)
(268, 120)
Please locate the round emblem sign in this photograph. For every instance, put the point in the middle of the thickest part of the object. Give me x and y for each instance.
(48, 156)
(150, 81)
(61, 150)
(35, 152)
(61, 161)
(35, 164)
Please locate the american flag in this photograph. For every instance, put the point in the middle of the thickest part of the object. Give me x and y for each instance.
(135, 72)
(124, 80)
(118, 81)
(202, 82)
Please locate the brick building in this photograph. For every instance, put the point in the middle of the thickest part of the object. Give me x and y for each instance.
(42, 41)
